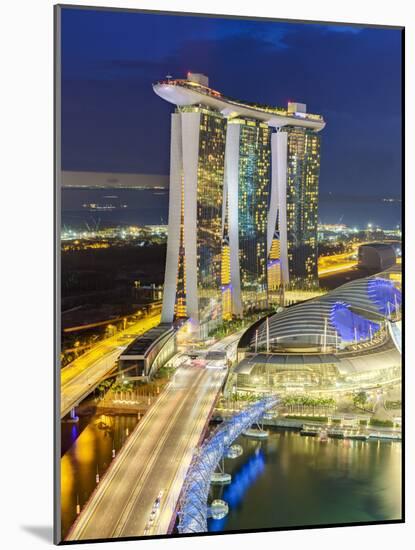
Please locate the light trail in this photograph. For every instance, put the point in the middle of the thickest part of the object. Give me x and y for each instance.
(345, 266)
(81, 376)
(155, 458)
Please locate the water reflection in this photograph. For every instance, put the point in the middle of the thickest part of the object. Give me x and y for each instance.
(290, 480)
(87, 450)
(242, 479)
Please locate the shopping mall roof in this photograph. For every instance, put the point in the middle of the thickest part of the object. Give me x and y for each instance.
(372, 360)
(284, 361)
(353, 311)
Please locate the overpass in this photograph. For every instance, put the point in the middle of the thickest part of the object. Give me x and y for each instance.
(155, 459)
(82, 376)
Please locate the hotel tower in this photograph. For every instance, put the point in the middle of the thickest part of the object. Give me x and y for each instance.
(243, 203)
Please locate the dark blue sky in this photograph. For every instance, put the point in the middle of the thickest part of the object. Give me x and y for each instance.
(113, 122)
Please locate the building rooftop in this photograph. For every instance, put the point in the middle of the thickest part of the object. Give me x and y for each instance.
(379, 246)
(353, 311)
(142, 345)
(182, 92)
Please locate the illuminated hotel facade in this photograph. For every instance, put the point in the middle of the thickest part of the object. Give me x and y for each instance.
(243, 203)
(303, 168)
(247, 177)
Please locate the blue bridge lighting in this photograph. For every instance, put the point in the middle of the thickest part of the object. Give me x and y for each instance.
(242, 480)
(193, 505)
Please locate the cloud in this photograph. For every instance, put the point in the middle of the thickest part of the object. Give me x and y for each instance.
(351, 75)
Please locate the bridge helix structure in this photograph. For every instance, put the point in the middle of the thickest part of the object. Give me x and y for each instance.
(193, 506)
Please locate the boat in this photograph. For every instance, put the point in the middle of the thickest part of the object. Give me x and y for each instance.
(336, 434)
(312, 432)
(358, 437)
(386, 436)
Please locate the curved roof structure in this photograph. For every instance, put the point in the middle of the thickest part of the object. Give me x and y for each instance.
(379, 256)
(144, 343)
(183, 92)
(385, 358)
(351, 312)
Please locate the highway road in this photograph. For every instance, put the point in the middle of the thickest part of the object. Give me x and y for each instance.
(338, 263)
(155, 459)
(341, 266)
(82, 375)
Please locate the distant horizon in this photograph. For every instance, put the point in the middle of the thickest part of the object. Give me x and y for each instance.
(149, 180)
(111, 180)
(148, 202)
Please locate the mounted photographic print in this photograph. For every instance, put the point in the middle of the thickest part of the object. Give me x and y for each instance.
(228, 274)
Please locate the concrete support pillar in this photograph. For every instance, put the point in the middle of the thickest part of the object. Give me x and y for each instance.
(232, 190)
(173, 239)
(279, 143)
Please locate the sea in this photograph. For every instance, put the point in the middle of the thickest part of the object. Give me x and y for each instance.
(94, 208)
(291, 481)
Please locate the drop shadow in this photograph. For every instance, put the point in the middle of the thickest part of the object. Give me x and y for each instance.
(43, 532)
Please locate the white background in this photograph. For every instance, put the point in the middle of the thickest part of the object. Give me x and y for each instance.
(26, 361)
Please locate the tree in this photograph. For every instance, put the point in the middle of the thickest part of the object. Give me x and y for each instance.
(360, 399)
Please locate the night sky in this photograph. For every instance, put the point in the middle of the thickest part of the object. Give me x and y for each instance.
(113, 122)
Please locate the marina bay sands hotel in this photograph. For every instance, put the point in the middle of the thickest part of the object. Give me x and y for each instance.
(243, 203)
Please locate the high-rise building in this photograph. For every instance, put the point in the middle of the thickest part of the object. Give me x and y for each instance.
(303, 168)
(243, 202)
(247, 182)
(293, 212)
(192, 285)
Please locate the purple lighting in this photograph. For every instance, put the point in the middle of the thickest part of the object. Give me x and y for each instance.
(384, 295)
(274, 262)
(350, 326)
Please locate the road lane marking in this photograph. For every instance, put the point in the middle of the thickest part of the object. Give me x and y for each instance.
(123, 457)
(138, 485)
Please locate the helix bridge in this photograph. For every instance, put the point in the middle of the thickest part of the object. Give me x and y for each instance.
(193, 506)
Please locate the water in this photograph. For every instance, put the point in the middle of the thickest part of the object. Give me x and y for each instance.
(291, 480)
(359, 211)
(87, 445)
(143, 207)
(287, 480)
(147, 206)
